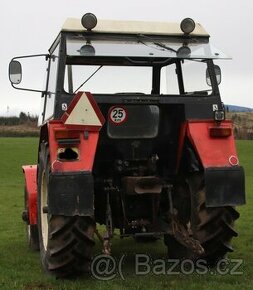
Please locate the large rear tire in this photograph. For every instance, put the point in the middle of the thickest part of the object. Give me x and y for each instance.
(65, 242)
(213, 227)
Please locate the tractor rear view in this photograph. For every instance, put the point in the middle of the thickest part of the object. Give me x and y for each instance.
(133, 136)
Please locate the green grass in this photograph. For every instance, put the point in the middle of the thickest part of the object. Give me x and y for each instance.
(20, 268)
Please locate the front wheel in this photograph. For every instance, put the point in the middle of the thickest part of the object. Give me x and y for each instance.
(65, 242)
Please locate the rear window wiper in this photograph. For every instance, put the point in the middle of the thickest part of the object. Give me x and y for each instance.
(88, 78)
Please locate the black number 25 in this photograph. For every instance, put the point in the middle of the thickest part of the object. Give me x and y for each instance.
(117, 113)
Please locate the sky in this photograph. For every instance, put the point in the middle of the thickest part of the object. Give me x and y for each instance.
(30, 27)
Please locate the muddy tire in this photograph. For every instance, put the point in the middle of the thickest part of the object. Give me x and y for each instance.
(65, 242)
(31, 230)
(213, 226)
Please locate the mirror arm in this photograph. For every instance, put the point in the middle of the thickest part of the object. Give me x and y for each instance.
(47, 56)
(30, 90)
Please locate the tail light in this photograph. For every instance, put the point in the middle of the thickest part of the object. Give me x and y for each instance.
(220, 132)
(66, 134)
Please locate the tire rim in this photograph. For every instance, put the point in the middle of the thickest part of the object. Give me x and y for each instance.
(44, 216)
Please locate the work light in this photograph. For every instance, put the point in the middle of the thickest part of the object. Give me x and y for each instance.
(187, 25)
(89, 21)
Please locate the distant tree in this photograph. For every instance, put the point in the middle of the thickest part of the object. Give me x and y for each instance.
(9, 121)
(23, 118)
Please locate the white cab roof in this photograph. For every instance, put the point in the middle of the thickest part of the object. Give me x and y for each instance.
(133, 27)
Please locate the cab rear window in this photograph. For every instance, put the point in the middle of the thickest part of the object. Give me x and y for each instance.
(132, 122)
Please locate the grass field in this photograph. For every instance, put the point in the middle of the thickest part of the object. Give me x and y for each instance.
(20, 268)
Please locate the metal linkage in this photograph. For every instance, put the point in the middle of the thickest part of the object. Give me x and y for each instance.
(179, 231)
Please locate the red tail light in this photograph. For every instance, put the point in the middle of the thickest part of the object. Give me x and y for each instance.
(220, 132)
(64, 134)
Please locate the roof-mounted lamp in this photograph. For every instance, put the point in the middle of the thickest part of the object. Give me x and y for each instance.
(187, 25)
(89, 21)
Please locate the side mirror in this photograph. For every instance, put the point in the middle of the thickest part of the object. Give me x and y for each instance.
(15, 72)
(217, 71)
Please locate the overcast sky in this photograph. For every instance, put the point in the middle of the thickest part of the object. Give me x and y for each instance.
(30, 26)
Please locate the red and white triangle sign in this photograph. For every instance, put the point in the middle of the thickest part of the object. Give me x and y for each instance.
(83, 113)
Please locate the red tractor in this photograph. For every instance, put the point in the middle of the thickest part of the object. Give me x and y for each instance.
(133, 136)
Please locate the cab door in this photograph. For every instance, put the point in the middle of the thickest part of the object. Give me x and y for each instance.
(48, 97)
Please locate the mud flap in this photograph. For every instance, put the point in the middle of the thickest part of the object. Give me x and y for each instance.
(71, 193)
(225, 186)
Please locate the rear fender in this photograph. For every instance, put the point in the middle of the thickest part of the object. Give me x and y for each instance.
(212, 151)
(224, 178)
(30, 174)
(84, 143)
(78, 129)
(72, 143)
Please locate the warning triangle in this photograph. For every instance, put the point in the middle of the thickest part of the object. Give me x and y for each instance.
(83, 113)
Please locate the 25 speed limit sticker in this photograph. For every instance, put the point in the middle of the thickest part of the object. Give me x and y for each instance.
(117, 115)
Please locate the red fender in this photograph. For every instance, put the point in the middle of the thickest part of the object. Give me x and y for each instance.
(86, 147)
(82, 121)
(213, 151)
(30, 172)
